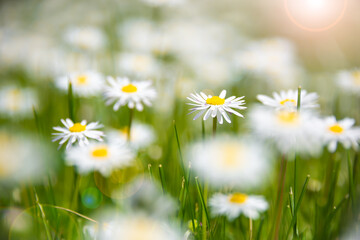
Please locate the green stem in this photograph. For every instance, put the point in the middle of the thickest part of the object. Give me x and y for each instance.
(150, 172)
(161, 174)
(298, 99)
(71, 102)
(280, 196)
(297, 206)
(43, 217)
(131, 115)
(202, 200)
(295, 233)
(351, 183)
(203, 129)
(179, 149)
(214, 126)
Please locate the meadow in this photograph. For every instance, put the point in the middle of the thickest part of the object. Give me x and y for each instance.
(179, 119)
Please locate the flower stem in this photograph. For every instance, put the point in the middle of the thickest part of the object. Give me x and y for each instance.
(280, 196)
(214, 126)
(205, 215)
(131, 115)
(71, 102)
(351, 183)
(250, 228)
(161, 174)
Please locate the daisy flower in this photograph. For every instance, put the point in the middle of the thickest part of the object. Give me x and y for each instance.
(17, 102)
(84, 84)
(349, 80)
(22, 159)
(133, 94)
(235, 204)
(342, 131)
(288, 100)
(138, 64)
(230, 161)
(215, 106)
(130, 227)
(85, 38)
(289, 130)
(102, 157)
(271, 59)
(80, 132)
(141, 135)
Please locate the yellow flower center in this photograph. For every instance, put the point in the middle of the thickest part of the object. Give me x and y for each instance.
(356, 75)
(238, 198)
(288, 117)
(77, 127)
(283, 102)
(215, 100)
(100, 152)
(81, 80)
(129, 88)
(336, 128)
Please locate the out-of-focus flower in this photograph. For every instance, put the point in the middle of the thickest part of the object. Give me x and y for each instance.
(349, 80)
(85, 38)
(148, 199)
(80, 132)
(212, 70)
(289, 130)
(233, 205)
(143, 65)
(333, 131)
(288, 100)
(141, 35)
(85, 84)
(273, 59)
(141, 135)
(190, 38)
(216, 106)
(227, 161)
(22, 159)
(17, 102)
(158, 3)
(102, 157)
(130, 227)
(133, 94)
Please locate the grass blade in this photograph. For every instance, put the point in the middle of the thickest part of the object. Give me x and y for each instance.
(298, 205)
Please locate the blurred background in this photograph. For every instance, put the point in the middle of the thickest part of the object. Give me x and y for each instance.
(246, 47)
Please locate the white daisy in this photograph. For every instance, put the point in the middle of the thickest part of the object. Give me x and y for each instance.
(288, 100)
(138, 64)
(102, 157)
(289, 130)
(142, 35)
(216, 106)
(85, 38)
(133, 94)
(17, 102)
(23, 159)
(80, 132)
(349, 80)
(84, 84)
(131, 227)
(271, 59)
(342, 131)
(230, 161)
(141, 135)
(233, 205)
